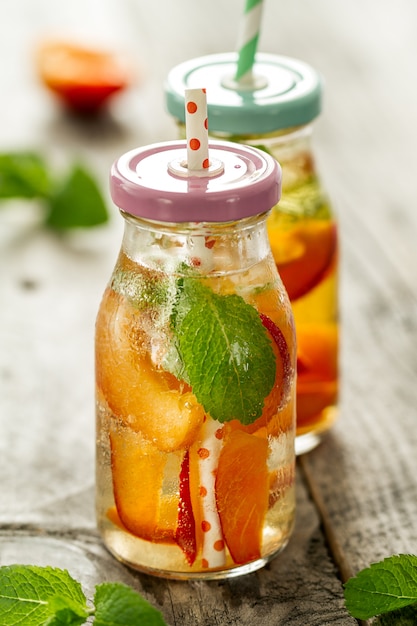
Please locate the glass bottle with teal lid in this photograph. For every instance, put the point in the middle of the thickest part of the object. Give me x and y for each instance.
(275, 111)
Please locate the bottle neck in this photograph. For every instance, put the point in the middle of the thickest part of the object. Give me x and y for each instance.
(207, 248)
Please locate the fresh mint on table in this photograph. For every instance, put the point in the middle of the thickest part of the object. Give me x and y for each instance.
(46, 596)
(23, 175)
(385, 587)
(71, 201)
(225, 351)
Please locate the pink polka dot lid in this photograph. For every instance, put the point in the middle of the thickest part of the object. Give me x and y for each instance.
(155, 182)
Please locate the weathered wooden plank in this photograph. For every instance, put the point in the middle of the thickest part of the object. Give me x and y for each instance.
(299, 586)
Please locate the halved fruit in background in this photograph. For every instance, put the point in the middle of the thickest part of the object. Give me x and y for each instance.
(83, 78)
(304, 255)
(242, 490)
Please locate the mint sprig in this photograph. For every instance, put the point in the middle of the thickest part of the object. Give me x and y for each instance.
(46, 596)
(226, 354)
(23, 175)
(70, 201)
(383, 587)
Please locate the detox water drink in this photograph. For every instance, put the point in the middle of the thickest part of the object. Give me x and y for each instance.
(276, 116)
(195, 375)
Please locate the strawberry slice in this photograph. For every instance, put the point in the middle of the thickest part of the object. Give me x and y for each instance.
(279, 339)
(185, 533)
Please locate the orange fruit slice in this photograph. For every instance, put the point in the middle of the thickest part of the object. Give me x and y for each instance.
(147, 399)
(138, 473)
(81, 77)
(317, 352)
(242, 489)
(317, 367)
(304, 255)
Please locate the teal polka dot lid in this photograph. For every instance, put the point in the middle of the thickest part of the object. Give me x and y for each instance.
(285, 93)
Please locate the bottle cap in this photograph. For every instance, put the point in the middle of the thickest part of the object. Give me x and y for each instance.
(154, 182)
(287, 93)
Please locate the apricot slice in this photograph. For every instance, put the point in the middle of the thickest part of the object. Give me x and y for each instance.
(83, 78)
(146, 398)
(312, 400)
(317, 357)
(138, 473)
(304, 255)
(242, 489)
(317, 368)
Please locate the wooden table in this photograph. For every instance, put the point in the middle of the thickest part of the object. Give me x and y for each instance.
(357, 492)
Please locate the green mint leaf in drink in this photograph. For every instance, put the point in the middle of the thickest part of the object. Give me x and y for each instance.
(385, 586)
(225, 352)
(23, 175)
(35, 596)
(119, 605)
(77, 202)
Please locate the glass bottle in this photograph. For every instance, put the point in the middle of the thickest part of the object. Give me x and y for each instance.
(195, 369)
(276, 113)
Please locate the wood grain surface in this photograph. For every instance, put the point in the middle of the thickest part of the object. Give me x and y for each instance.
(357, 492)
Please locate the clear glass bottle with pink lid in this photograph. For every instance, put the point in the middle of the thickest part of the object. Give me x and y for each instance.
(195, 368)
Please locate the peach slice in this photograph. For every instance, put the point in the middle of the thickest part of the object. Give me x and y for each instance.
(304, 255)
(148, 399)
(138, 472)
(242, 490)
(317, 368)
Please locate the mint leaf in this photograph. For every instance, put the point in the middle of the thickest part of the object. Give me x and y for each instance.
(407, 616)
(23, 175)
(119, 605)
(73, 202)
(28, 595)
(77, 202)
(385, 586)
(226, 353)
(46, 596)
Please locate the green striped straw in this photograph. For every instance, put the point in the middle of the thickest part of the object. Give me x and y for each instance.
(248, 40)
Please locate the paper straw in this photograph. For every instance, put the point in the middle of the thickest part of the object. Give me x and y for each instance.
(196, 129)
(213, 550)
(248, 40)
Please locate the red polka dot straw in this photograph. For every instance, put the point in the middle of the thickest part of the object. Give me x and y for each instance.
(213, 547)
(196, 128)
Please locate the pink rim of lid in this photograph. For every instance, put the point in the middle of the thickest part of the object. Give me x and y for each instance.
(152, 182)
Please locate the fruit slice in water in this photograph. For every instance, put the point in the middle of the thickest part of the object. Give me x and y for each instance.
(185, 534)
(275, 418)
(138, 472)
(317, 371)
(242, 488)
(146, 399)
(304, 255)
